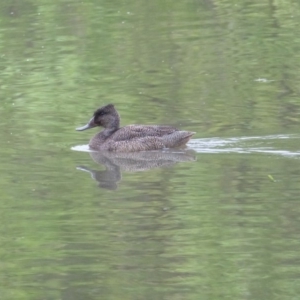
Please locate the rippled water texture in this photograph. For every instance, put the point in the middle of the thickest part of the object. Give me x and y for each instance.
(216, 220)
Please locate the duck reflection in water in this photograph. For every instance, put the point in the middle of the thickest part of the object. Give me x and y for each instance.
(115, 163)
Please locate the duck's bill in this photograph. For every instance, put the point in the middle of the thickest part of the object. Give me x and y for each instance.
(89, 125)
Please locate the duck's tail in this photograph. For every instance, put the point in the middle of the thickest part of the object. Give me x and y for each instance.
(177, 138)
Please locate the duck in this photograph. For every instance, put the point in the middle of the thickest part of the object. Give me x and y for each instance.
(131, 138)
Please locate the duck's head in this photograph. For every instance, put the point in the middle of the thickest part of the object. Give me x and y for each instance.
(105, 116)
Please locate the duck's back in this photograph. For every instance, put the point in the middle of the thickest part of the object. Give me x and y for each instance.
(130, 132)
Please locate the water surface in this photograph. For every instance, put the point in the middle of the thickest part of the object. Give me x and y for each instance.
(218, 220)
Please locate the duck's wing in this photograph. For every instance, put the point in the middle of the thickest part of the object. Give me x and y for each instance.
(135, 144)
(175, 139)
(141, 131)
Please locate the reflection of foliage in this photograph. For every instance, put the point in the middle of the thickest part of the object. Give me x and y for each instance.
(200, 227)
(206, 57)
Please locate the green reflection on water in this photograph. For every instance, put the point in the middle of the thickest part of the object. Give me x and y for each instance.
(218, 228)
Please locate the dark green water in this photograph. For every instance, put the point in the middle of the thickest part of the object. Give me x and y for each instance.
(221, 223)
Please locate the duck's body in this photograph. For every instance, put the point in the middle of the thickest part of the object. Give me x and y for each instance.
(131, 138)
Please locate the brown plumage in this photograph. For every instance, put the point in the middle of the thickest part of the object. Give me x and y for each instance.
(131, 138)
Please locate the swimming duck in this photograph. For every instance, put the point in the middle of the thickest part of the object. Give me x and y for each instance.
(131, 138)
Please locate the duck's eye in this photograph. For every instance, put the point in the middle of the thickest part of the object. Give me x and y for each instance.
(99, 114)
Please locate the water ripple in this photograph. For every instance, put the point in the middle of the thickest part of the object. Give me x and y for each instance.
(246, 145)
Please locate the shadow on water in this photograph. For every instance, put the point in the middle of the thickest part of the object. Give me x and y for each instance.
(115, 163)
